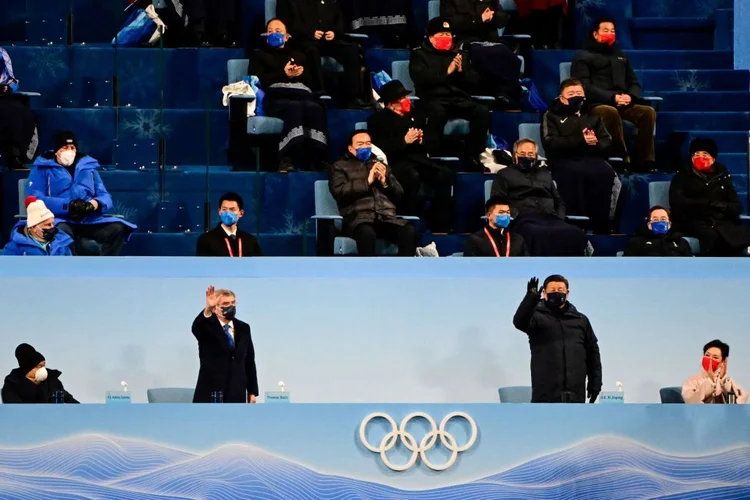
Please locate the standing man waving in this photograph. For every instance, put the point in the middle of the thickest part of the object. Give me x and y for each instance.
(226, 352)
(564, 348)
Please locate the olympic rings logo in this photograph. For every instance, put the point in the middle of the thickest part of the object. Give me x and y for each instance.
(410, 443)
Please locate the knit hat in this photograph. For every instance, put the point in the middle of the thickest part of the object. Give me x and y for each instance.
(704, 144)
(438, 25)
(36, 212)
(28, 357)
(63, 138)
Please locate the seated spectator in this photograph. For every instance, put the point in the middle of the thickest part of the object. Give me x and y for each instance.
(366, 192)
(68, 183)
(285, 76)
(577, 143)
(317, 29)
(18, 132)
(498, 66)
(613, 90)
(37, 235)
(658, 239)
(227, 239)
(32, 382)
(211, 21)
(399, 130)
(705, 204)
(712, 385)
(537, 208)
(443, 83)
(496, 239)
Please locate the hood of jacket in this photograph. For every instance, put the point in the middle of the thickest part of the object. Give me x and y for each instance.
(82, 161)
(18, 236)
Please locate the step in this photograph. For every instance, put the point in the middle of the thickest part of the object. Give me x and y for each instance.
(692, 120)
(672, 33)
(685, 80)
(724, 33)
(660, 8)
(737, 165)
(728, 141)
(705, 101)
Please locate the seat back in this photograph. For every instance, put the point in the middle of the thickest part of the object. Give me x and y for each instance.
(324, 203)
(236, 70)
(360, 126)
(671, 395)
(400, 72)
(564, 71)
(508, 5)
(433, 9)
(170, 395)
(23, 186)
(515, 394)
(270, 10)
(487, 190)
(532, 131)
(658, 193)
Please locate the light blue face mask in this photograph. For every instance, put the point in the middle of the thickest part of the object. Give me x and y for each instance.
(364, 154)
(229, 218)
(275, 40)
(503, 221)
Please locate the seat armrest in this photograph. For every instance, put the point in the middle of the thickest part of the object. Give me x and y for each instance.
(326, 217)
(408, 217)
(581, 218)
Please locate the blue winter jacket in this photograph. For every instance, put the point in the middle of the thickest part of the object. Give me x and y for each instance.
(52, 183)
(20, 244)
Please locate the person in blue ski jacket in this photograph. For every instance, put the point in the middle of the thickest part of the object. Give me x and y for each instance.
(37, 235)
(67, 182)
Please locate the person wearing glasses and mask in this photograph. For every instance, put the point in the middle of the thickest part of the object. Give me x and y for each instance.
(32, 381)
(496, 239)
(712, 385)
(227, 355)
(705, 204)
(37, 235)
(536, 206)
(564, 349)
(227, 239)
(577, 144)
(657, 239)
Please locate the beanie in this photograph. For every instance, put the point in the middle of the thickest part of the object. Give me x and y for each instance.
(27, 357)
(63, 138)
(37, 212)
(439, 25)
(704, 144)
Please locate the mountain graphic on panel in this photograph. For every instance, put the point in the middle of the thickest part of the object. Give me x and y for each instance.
(106, 467)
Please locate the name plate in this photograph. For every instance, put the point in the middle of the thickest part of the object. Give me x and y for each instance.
(118, 397)
(612, 397)
(277, 397)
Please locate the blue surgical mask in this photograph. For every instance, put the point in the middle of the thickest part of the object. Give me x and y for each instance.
(275, 40)
(364, 154)
(660, 228)
(526, 163)
(502, 220)
(229, 218)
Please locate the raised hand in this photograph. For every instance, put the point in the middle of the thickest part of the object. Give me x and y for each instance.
(330, 35)
(211, 300)
(533, 286)
(590, 137)
(289, 69)
(487, 15)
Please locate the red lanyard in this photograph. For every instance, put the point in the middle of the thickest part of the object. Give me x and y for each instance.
(494, 245)
(229, 247)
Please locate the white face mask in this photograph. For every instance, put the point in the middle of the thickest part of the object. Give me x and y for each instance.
(66, 158)
(41, 374)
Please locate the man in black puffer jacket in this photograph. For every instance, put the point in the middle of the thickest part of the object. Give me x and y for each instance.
(613, 89)
(657, 239)
(576, 143)
(32, 382)
(564, 348)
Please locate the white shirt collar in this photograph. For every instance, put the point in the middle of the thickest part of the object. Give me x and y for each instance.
(232, 232)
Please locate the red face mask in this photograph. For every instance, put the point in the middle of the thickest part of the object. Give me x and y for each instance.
(702, 164)
(607, 38)
(405, 105)
(443, 42)
(713, 363)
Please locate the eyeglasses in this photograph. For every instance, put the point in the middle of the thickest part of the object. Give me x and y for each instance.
(662, 219)
(526, 155)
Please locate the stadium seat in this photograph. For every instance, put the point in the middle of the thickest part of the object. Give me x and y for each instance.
(533, 131)
(671, 395)
(433, 11)
(565, 74)
(170, 395)
(515, 394)
(658, 194)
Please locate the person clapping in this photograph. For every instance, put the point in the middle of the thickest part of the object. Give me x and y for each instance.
(712, 385)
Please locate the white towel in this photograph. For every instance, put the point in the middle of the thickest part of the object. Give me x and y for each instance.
(239, 88)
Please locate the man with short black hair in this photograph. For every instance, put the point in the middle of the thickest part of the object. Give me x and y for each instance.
(227, 239)
(564, 348)
(496, 239)
(657, 239)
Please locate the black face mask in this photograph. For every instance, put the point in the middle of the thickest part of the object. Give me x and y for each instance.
(229, 312)
(555, 300)
(49, 234)
(526, 163)
(575, 104)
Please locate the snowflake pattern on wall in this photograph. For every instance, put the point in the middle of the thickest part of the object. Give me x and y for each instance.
(138, 76)
(146, 124)
(690, 81)
(125, 211)
(585, 7)
(291, 226)
(48, 62)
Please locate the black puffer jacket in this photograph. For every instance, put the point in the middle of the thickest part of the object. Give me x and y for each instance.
(528, 190)
(359, 202)
(564, 351)
(466, 16)
(605, 71)
(647, 244)
(562, 133)
(19, 389)
(428, 68)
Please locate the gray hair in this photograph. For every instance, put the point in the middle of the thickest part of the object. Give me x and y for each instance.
(521, 142)
(222, 292)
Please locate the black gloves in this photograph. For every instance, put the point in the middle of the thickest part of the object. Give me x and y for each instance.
(79, 210)
(533, 286)
(592, 395)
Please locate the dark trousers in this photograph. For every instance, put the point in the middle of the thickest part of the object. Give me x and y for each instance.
(305, 123)
(440, 109)
(346, 53)
(499, 71)
(586, 185)
(403, 236)
(17, 126)
(108, 238)
(547, 235)
(722, 239)
(440, 179)
(211, 17)
(644, 118)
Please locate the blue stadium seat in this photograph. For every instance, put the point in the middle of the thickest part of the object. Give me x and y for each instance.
(515, 394)
(533, 131)
(671, 395)
(658, 194)
(170, 395)
(433, 11)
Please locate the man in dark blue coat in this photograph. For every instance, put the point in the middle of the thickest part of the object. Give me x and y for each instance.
(226, 352)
